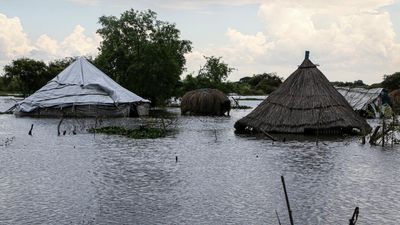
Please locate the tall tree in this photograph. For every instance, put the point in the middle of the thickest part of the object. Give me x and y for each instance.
(215, 69)
(28, 74)
(142, 53)
(212, 74)
(391, 82)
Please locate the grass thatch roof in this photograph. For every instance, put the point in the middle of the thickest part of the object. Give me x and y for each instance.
(395, 99)
(209, 102)
(305, 102)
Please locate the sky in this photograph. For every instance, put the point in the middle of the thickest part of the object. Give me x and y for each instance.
(349, 40)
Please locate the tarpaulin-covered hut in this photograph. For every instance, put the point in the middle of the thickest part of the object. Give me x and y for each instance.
(367, 102)
(82, 90)
(305, 103)
(205, 102)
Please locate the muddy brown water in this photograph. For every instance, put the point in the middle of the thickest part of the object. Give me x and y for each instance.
(220, 177)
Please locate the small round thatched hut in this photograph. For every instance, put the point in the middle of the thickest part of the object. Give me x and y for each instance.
(395, 100)
(305, 103)
(205, 102)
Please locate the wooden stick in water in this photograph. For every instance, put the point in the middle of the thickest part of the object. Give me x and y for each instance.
(277, 216)
(268, 135)
(287, 201)
(354, 218)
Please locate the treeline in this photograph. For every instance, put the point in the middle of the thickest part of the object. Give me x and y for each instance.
(215, 72)
(389, 82)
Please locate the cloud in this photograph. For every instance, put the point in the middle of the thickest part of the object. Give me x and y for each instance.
(86, 2)
(349, 39)
(15, 43)
(172, 4)
(77, 43)
(47, 45)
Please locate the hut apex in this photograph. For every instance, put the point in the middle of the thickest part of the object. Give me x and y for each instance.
(306, 102)
(307, 55)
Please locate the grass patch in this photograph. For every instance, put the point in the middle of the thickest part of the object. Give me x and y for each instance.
(140, 133)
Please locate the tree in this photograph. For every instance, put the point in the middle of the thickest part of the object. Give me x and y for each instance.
(357, 83)
(264, 83)
(29, 75)
(215, 70)
(391, 82)
(142, 53)
(212, 74)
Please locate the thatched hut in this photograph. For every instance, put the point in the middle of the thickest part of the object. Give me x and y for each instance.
(395, 100)
(205, 102)
(305, 103)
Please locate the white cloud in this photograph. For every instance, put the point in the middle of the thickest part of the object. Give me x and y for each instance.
(350, 39)
(77, 43)
(48, 45)
(86, 2)
(14, 43)
(171, 4)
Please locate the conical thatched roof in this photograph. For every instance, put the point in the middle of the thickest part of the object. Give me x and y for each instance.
(206, 102)
(305, 103)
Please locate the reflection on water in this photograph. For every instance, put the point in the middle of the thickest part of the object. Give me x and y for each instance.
(220, 178)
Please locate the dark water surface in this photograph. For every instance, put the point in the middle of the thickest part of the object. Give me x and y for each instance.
(220, 178)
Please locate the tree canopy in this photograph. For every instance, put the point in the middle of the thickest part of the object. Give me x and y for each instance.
(27, 74)
(142, 53)
(391, 82)
(215, 70)
(212, 74)
(357, 83)
(263, 84)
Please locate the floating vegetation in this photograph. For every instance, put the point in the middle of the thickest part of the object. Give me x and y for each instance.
(140, 133)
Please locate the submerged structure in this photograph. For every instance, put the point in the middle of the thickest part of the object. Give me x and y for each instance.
(367, 102)
(305, 103)
(395, 100)
(205, 102)
(82, 90)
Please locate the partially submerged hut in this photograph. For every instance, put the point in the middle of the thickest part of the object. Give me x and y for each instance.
(305, 103)
(82, 90)
(395, 99)
(367, 102)
(205, 102)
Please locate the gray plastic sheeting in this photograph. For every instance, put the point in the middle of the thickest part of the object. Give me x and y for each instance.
(360, 98)
(81, 83)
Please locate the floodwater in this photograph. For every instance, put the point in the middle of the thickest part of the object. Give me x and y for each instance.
(220, 177)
